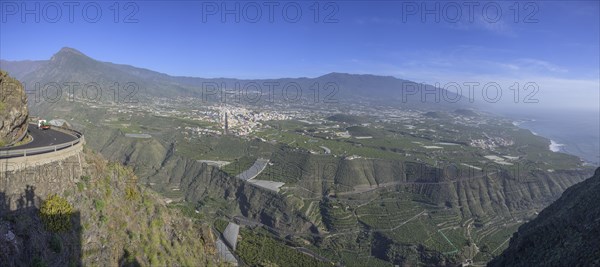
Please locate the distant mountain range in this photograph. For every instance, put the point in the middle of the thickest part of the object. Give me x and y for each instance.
(70, 65)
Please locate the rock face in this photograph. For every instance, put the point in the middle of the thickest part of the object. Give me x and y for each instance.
(113, 222)
(564, 234)
(13, 110)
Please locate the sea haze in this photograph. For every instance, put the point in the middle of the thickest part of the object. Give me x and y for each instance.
(572, 132)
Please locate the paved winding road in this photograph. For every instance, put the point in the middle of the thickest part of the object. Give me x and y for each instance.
(43, 138)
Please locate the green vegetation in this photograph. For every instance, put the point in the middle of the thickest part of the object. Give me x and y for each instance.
(99, 204)
(258, 249)
(26, 139)
(152, 233)
(55, 243)
(56, 214)
(85, 178)
(38, 262)
(80, 186)
(133, 218)
(239, 165)
(347, 118)
(131, 193)
(397, 187)
(563, 234)
(220, 225)
(337, 217)
(364, 131)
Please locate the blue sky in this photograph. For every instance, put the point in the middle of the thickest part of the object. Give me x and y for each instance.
(554, 44)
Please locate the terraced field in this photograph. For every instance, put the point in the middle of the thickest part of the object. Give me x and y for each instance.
(418, 185)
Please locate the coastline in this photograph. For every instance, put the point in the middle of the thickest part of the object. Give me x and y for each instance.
(558, 144)
(555, 147)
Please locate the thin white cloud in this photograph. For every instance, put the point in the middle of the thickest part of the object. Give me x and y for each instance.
(540, 65)
(555, 89)
(499, 27)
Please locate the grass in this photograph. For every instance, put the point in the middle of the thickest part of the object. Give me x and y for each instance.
(80, 186)
(134, 218)
(257, 249)
(99, 204)
(495, 241)
(26, 139)
(239, 165)
(220, 225)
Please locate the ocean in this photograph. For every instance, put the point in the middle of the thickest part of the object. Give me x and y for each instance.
(573, 132)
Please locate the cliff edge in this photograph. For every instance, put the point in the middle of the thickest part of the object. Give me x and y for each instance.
(564, 234)
(13, 110)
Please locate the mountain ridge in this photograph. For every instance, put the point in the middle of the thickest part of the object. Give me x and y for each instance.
(69, 50)
(71, 65)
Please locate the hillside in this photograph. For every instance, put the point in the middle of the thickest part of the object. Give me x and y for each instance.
(70, 65)
(563, 234)
(111, 221)
(318, 185)
(404, 186)
(18, 69)
(477, 212)
(13, 110)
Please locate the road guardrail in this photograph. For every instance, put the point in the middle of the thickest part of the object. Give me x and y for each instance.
(45, 149)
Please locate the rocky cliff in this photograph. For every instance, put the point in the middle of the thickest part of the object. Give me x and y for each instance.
(77, 209)
(13, 110)
(105, 219)
(565, 233)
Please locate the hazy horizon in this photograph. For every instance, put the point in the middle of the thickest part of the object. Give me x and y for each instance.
(551, 44)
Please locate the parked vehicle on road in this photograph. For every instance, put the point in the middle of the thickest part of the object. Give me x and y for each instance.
(43, 124)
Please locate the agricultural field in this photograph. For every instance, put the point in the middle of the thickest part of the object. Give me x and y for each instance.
(258, 249)
(359, 181)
